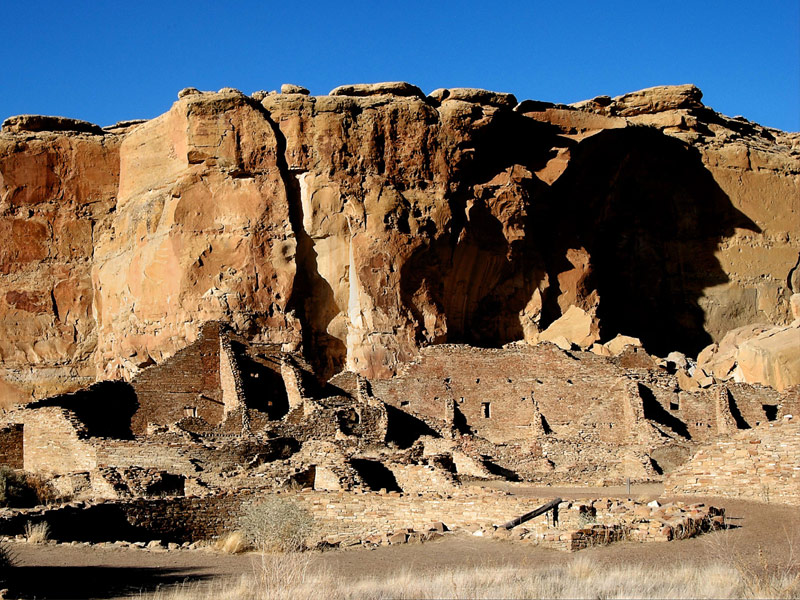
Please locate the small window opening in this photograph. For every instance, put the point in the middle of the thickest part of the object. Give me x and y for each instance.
(674, 405)
(403, 402)
(771, 411)
(190, 411)
(486, 410)
(478, 380)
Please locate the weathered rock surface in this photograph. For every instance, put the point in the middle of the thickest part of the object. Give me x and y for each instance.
(56, 191)
(35, 123)
(363, 225)
(757, 354)
(394, 88)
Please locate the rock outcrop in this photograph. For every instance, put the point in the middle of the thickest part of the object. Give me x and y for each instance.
(758, 354)
(360, 226)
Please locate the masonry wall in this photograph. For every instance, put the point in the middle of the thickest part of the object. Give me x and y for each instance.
(761, 464)
(494, 390)
(173, 453)
(335, 513)
(187, 382)
(495, 393)
(11, 446)
(54, 442)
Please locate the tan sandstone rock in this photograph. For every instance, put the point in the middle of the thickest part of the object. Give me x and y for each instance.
(361, 226)
(756, 354)
(577, 327)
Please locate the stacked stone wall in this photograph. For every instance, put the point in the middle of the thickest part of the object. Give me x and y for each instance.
(761, 464)
(54, 441)
(11, 446)
(170, 452)
(343, 518)
(494, 390)
(335, 513)
(188, 384)
(230, 381)
(502, 394)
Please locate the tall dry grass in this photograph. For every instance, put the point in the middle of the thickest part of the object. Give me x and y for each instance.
(37, 533)
(775, 577)
(293, 575)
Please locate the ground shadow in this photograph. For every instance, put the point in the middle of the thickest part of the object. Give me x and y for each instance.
(376, 475)
(653, 411)
(91, 582)
(404, 429)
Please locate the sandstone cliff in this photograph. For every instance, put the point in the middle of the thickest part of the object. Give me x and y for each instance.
(362, 225)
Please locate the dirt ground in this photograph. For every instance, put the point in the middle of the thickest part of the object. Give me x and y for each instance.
(761, 533)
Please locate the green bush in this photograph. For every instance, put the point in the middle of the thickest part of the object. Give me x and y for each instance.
(276, 524)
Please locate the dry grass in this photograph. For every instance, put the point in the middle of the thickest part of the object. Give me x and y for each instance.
(36, 533)
(292, 575)
(761, 578)
(231, 543)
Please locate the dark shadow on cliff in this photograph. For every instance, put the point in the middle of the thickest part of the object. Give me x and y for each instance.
(312, 296)
(482, 271)
(652, 217)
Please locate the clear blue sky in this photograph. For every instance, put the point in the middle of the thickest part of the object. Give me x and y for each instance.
(110, 61)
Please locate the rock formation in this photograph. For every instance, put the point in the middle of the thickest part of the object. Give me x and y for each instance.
(359, 227)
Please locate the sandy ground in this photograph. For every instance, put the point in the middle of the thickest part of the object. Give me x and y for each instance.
(762, 532)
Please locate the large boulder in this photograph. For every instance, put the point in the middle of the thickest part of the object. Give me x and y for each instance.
(756, 354)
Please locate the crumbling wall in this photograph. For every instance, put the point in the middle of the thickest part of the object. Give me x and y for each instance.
(230, 381)
(494, 390)
(521, 392)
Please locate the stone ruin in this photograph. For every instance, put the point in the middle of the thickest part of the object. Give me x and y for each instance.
(374, 298)
(224, 421)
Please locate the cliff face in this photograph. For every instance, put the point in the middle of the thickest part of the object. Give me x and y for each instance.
(56, 188)
(362, 225)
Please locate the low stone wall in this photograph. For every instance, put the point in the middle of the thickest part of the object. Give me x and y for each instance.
(350, 518)
(603, 521)
(336, 514)
(760, 464)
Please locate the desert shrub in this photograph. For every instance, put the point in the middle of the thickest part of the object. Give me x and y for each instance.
(36, 533)
(15, 490)
(276, 524)
(43, 490)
